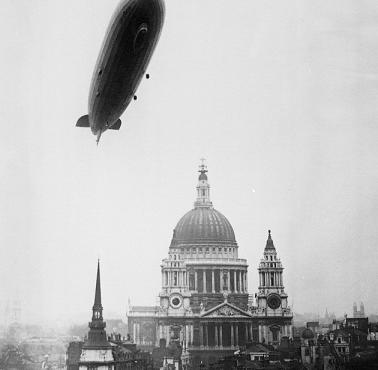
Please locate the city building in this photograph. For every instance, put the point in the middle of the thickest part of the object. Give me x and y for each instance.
(204, 305)
(358, 313)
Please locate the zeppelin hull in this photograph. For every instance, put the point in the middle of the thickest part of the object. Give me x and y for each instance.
(126, 51)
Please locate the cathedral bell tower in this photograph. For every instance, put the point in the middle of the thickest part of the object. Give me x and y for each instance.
(271, 298)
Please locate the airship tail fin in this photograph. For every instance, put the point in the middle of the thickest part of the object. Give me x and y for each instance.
(116, 125)
(83, 121)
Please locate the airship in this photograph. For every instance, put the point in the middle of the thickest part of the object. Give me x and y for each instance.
(130, 40)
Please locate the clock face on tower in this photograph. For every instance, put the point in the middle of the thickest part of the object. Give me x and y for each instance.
(175, 300)
(274, 301)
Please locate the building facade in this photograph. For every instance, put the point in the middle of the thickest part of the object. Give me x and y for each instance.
(358, 313)
(204, 305)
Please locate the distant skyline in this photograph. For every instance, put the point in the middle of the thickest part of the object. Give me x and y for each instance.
(279, 97)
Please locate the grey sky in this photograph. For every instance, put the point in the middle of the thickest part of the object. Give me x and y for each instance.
(279, 96)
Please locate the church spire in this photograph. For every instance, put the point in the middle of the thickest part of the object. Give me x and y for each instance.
(97, 306)
(97, 334)
(203, 188)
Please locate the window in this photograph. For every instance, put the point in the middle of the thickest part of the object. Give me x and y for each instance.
(203, 192)
(207, 250)
(191, 281)
(275, 336)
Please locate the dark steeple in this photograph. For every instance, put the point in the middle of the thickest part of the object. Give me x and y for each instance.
(269, 242)
(97, 333)
(97, 306)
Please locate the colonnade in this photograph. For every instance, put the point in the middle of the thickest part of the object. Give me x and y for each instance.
(211, 333)
(232, 334)
(174, 278)
(271, 279)
(205, 280)
(218, 280)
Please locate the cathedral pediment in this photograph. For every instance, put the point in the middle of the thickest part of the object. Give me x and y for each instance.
(225, 310)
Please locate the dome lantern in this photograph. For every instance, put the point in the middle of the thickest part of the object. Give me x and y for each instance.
(203, 188)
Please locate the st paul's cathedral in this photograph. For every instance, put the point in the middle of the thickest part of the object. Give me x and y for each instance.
(204, 304)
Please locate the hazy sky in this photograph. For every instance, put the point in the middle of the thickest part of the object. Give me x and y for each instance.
(280, 97)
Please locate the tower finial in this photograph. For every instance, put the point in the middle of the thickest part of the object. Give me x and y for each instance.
(269, 242)
(202, 166)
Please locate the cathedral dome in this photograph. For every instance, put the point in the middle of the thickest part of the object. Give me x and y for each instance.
(204, 225)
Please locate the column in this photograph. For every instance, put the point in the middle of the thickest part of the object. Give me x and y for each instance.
(221, 280)
(162, 279)
(235, 282)
(241, 282)
(221, 335)
(186, 342)
(246, 331)
(207, 334)
(167, 334)
(195, 280)
(232, 334)
(212, 281)
(216, 334)
(204, 280)
(229, 279)
(250, 331)
(201, 335)
(246, 281)
(260, 334)
(134, 332)
(161, 334)
(236, 334)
